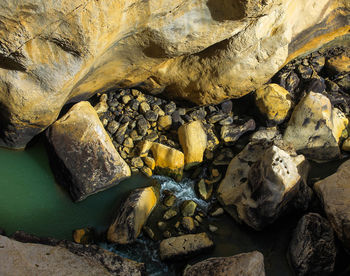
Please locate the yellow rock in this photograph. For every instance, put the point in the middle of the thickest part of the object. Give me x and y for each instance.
(339, 63)
(193, 140)
(149, 161)
(144, 147)
(274, 102)
(169, 161)
(346, 145)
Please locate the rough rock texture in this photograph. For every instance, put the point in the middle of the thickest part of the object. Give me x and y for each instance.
(260, 183)
(82, 154)
(182, 246)
(193, 140)
(19, 258)
(169, 161)
(334, 193)
(312, 249)
(274, 102)
(132, 215)
(204, 51)
(315, 128)
(245, 264)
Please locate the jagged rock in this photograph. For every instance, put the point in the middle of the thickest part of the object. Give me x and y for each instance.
(204, 190)
(185, 245)
(188, 208)
(169, 161)
(315, 128)
(230, 134)
(193, 140)
(83, 156)
(95, 46)
(164, 122)
(260, 184)
(245, 264)
(149, 161)
(312, 249)
(334, 193)
(102, 105)
(170, 214)
(19, 258)
(274, 102)
(112, 127)
(339, 64)
(132, 215)
(188, 224)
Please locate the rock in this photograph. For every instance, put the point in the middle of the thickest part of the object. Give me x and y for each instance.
(120, 134)
(183, 246)
(151, 116)
(339, 64)
(169, 200)
(126, 99)
(305, 72)
(112, 127)
(193, 140)
(102, 106)
(188, 224)
(136, 162)
(83, 156)
(245, 264)
(346, 145)
(144, 148)
(274, 102)
(19, 258)
(268, 134)
(169, 161)
(188, 208)
(169, 214)
(198, 114)
(315, 128)
(334, 192)
(260, 184)
(177, 121)
(318, 63)
(164, 122)
(146, 171)
(166, 234)
(217, 212)
(212, 139)
(149, 161)
(144, 107)
(212, 228)
(204, 190)
(226, 107)
(153, 136)
(230, 134)
(170, 108)
(312, 249)
(216, 117)
(227, 121)
(142, 126)
(162, 225)
(132, 215)
(128, 142)
(83, 236)
(86, 54)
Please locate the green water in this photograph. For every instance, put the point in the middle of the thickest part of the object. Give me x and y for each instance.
(30, 200)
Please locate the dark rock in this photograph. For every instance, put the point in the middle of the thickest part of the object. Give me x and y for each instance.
(318, 63)
(344, 83)
(153, 136)
(292, 82)
(227, 121)
(233, 133)
(316, 85)
(305, 71)
(216, 117)
(170, 108)
(136, 162)
(151, 116)
(113, 127)
(187, 118)
(312, 249)
(226, 107)
(198, 114)
(142, 126)
(177, 121)
(119, 136)
(134, 104)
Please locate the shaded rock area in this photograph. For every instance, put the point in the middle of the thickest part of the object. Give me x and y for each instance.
(82, 155)
(312, 249)
(333, 192)
(132, 215)
(245, 264)
(57, 258)
(182, 246)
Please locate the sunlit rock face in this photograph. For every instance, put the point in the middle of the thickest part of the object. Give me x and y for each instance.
(204, 51)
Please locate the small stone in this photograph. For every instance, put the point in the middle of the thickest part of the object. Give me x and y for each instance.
(318, 63)
(161, 225)
(346, 145)
(169, 200)
(134, 104)
(177, 121)
(135, 170)
(84, 235)
(158, 110)
(198, 218)
(182, 111)
(105, 122)
(188, 208)
(137, 162)
(126, 149)
(305, 71)
(164, 122)
(216, 117)
(213, 228)
(128, 143)
(167, 234)
(153, 136)
(144, 147)
(120, 134)
(146, 171)
(227, 121)
(188, 224)
(215, 172)
(218, 212)
(196, 223)
(226, 107)
(339, 64)
(135, 92)
(149, 161)
(198, 114)
(123, 154)
(126, 99)
(177, 224)
(135, 136)
(144, 107)
(230, 134)
(205, 191)
(149, 232)
(169, 214)
(209, 155)
(113, 127)
(170, 108)
(142, 126)
(151, 116)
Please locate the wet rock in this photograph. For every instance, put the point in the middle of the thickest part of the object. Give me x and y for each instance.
(84, 235)
(267, 134)
(204, 190)
(164, 122)
(212, 139)
(177, 121)
(169, 161)
(338, 64)
(260, 183)
(83, 156)
(169, 200)
(216, 117)
(188, 224)
(245, 264)
(193, 140)
(169, 214)
(188, 208)
(312, 249)
(102, 105)
(334, 193)
(227, 121)
(151, 116)
(212, 228)
(183, 246)
(62, 258)
(274, 102)
(230, 134)
(132, 215)
(112, 127)
(315, 128)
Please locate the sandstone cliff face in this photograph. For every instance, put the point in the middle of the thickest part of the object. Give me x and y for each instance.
(200, 50)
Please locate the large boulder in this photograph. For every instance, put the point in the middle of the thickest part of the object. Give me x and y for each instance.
(132, 215)
(82, 154)
(312, 249)
(19, 258)
(245, 264)
(204, 51)
(315, 128)
(334, 193)
(193, 140)
(261, 182)
(184, 246)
